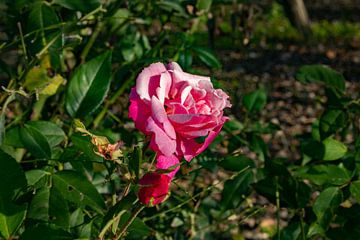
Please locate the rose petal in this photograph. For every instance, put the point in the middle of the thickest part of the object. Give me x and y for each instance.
(145, 80)
(193, 80)
(160, 141)
(190, 148)
(165, 162)
(138, 111)
(162, 91)
(185, 93)
(159, 115)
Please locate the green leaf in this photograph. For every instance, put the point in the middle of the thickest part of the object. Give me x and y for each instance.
(12, 138)
(83, 144)
(324, 74)
(172, 6)
(236, 190)
(50, 206)
(292, 193)
(334, 149)
(78, 5)
(236, 163)
(233, 125)
(137, 230)
(291, 232)
(327, 174)
(185, 59)
(258, 145)
(77, 188)
(42, 232)
(135, 161)
(116, 211)
(76, 218)
(255, 101)
(313, 149)
(11, 217)
(41, 16)
(331, 121)
(12, 177)
(326, 203)
(204, 5)
(52, 132)
(120, 17)
(2, 128)
(355, 190)
(35, 142)
(41, 21)
(207, 57)
(34, 176)
(88, 86)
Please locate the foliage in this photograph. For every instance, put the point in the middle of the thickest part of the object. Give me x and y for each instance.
(65, 178)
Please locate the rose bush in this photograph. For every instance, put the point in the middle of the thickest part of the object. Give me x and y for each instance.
(153, 188)
(176, 108)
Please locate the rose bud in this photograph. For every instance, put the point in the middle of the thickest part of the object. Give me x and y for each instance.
(153, 188)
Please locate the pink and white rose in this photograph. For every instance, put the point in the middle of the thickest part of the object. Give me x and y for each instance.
(175, 108)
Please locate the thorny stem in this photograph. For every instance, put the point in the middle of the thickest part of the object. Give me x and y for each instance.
(302, 225)
(126, 190)
(99, 9)
(109, 223)
(222, 220)
(47, 46)
(22, 41)
(277, 194)
(91, 42)
(131, 219)
(112, 100)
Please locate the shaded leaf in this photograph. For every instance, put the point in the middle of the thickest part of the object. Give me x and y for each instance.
(12, 177)
(236, 190)
(355, 190)
(53, 133)
(83, 144)
(35, 142)
(124, 204)
(138, 229)
(12, 138)
(324, 74)
(313, 149)
(204, 5)
(50, 206)
(11, 217)
(207, 57)
(135, 161)
(172, 6)
(42, 232)
(41, 21)
(77, 188)
(325, 205)
(78, 5)
(236, 163)
(2, 128)
(34, 176)
(255, 101)
(327, 174)
(331, 121)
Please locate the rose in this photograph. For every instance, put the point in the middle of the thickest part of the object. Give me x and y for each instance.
(154, 188)
(176, 109)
